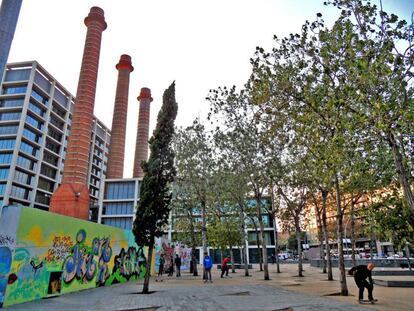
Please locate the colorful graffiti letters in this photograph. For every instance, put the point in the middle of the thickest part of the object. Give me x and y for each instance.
(129, 263)
(61, 246)
(81, 263)
(6, 240)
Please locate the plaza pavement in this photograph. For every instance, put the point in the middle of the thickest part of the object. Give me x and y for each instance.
(237, 292)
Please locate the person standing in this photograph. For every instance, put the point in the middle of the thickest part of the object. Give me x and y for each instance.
(225, 266)
(160, 268)
(208, 264)
(361, 273)
(177, 262)
(171, 268)
(273, 257)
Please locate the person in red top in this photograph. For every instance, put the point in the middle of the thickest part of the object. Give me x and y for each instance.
(225, 266)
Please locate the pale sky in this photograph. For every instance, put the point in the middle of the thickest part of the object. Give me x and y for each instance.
(199, 44)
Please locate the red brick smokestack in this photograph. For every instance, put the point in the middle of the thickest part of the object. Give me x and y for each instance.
(72, 196)
(117, 146)
(141, 145)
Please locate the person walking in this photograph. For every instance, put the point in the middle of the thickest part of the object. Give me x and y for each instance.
(273, 257)
(361, 273)
(225, 266)
(160, 268)
(171, 267)
(208, 264)
(177, 262)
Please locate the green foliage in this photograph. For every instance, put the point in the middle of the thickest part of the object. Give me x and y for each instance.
(155, 193)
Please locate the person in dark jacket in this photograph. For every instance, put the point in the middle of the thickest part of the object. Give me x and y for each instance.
(361, 273)
(177, 262)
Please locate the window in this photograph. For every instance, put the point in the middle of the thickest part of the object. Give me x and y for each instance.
(48, 171)
(118, 208)
(20, 192)
(14, 89)
(52, 146)
(6, 116)
(8, 129)
(42, 198)
(58, 110)
(42, 99)
(123, 222)
(54, 134)
(60, 97)
(17, 74)
(4, 173)
(35, 123)
(11, 103)
(5, 158)
(32, 136)
(26, 163)
(23, 178)
(7, 143)
(46, 184)
(49, 158)
(29, 149)
(41, 81)
(36, 109)
(2, 188)
(121, 190)
(56, 122)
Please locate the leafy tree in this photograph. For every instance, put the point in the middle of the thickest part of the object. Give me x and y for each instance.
(154, 205)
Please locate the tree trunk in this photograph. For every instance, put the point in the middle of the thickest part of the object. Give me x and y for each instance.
(326, 236)
(353, 233)
(264, 248)
(145, 289)
(401, 170)
(194, 261)
(233, 270)
(204, 228)
(244, 235)
(340, 235)
(320, 238)
(407, 254)
(298, 239)
(276, 245)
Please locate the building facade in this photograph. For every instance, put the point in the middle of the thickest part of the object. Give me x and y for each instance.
(35, 122)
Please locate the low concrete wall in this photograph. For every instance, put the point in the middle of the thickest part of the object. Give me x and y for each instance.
(391, 263)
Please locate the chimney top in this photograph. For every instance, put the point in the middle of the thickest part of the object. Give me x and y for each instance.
(96, 14)
(145, 94)
(125, 63)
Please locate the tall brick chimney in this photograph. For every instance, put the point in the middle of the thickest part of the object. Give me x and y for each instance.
(72, 196)
(117, 147)
(141, 145)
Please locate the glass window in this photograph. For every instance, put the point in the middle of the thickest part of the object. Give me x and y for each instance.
(29, 149)
(49, 158)
(4, 173)
(5, 158)
(58, 110)
(2, 188)
(17, 74)
(8, 129)
(32, 136)
(14, 89)
(118, 208)
(7, 143)
(42, 198)
(46, 184)
(11, 103)
(123, 222)
(120, 190)
(41, 81)
(54, 134)
(60, 98)
(36, 109)
(26, 163)
(23, 178)
(35, 123)
(52, 146)
(42, 99)
(48, 171)
(56, 122)
(6, 116)
(20, 192)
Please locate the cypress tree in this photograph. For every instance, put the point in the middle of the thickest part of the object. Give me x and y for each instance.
(159, 172)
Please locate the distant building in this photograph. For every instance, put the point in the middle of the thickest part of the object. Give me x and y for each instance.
(35, 121)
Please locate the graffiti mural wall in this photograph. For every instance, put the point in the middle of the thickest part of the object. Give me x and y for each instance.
(170, 249)
(54, 254)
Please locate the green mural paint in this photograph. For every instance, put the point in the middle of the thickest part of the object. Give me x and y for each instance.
(55, 254)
